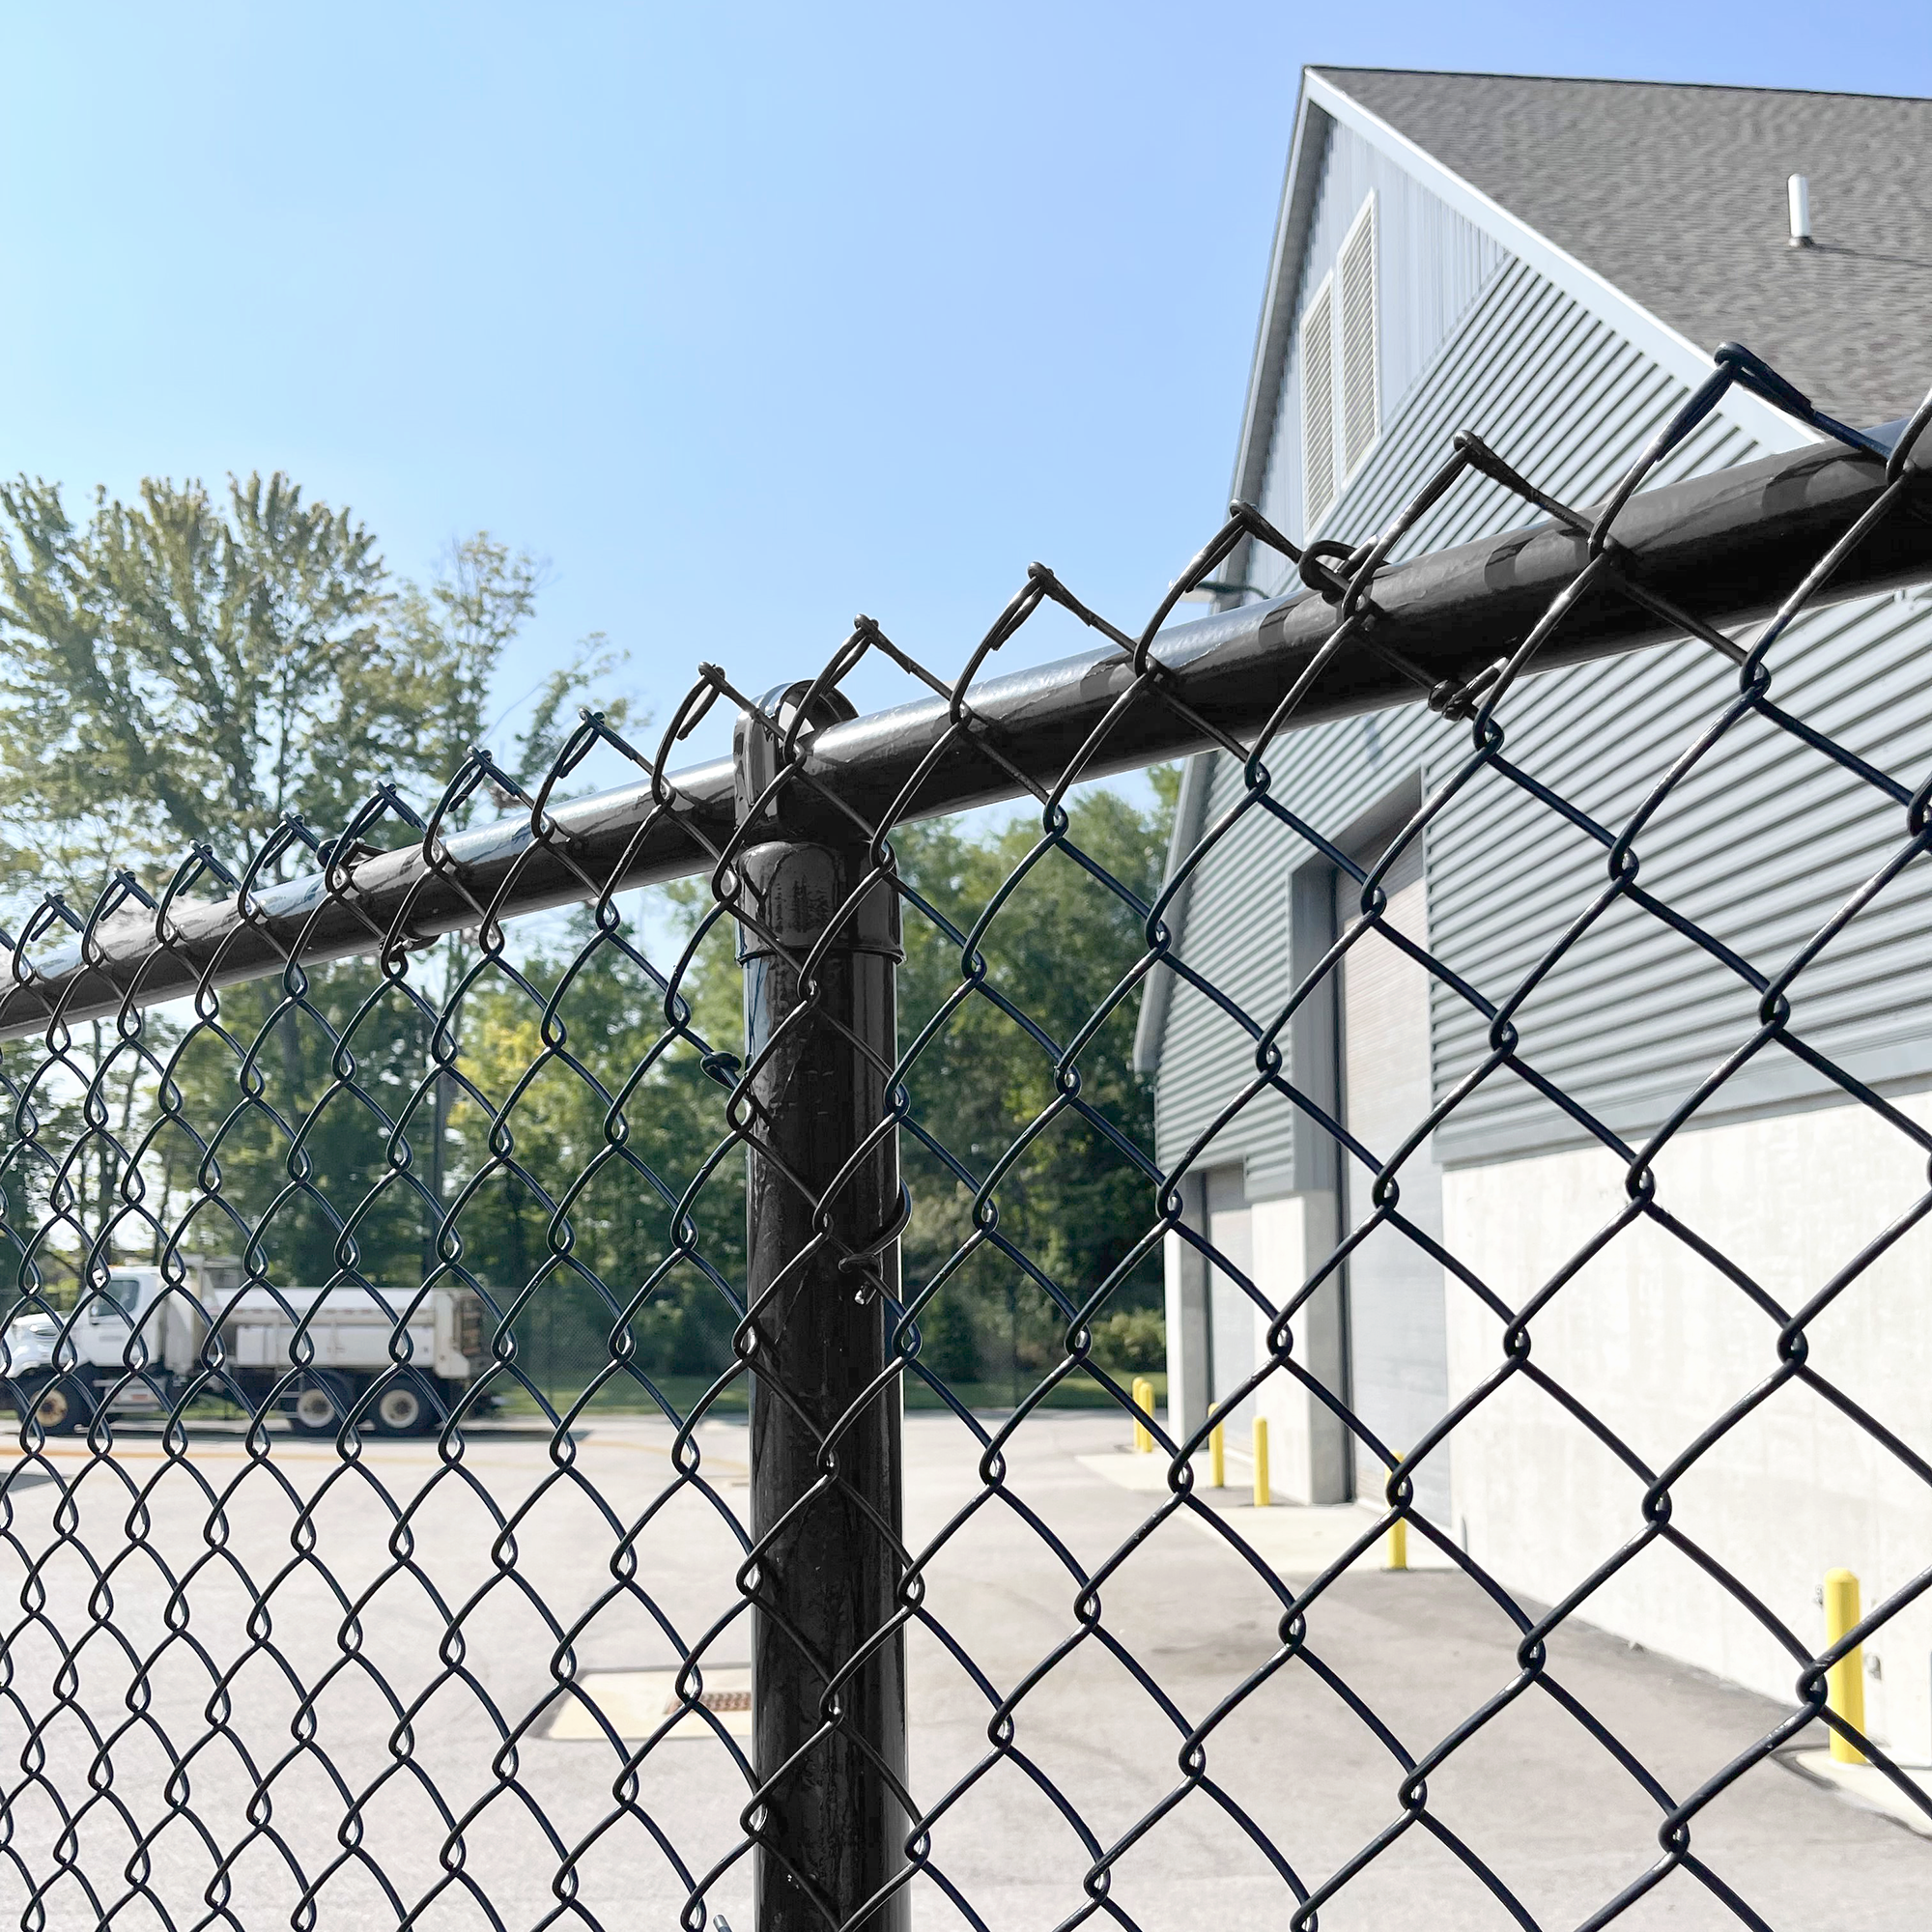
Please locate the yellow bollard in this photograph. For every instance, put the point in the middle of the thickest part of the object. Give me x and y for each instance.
(1845, 1681)
(1396, 1555)
(1263, 1495)
(1144, 1402)
(1217, 1458)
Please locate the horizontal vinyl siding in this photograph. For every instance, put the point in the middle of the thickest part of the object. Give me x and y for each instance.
(1236, 933)
(1237, 936)
(1431, 263)
(1759, 846)
(1568, 401)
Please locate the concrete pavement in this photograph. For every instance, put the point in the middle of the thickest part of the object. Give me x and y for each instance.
(1557, 1818)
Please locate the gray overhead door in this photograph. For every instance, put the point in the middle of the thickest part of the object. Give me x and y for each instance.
(1397, 1346)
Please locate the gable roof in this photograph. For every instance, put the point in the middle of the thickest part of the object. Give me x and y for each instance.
(1661, 208)
(1676, 196)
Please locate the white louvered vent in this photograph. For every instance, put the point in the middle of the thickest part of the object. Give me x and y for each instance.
(1317, 407)
(1361, 412)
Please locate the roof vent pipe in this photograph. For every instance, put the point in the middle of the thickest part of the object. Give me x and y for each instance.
(1798, 190)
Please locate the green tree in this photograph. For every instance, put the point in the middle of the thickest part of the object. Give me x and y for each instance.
(193, 669)
(186, 668)
(1071, 1203)
(583, 1124)
(182, 668)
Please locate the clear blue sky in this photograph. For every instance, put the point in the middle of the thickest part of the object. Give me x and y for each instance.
(747, 317)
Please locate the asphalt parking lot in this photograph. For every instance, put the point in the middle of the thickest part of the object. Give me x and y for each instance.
(343, 1634)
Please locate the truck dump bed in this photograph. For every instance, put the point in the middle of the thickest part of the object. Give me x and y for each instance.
(352, 1327)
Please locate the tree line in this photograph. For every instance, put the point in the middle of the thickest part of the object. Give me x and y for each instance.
(201, 669)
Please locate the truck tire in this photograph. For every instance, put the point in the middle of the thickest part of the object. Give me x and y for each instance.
(319, 1404)
(406, 1408)
(60, 1403)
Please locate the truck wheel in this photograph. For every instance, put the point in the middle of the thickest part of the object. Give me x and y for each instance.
(60, 1404)
(318, 1405)
(404, 1409)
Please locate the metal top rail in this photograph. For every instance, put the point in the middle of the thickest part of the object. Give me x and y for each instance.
(1715, 551)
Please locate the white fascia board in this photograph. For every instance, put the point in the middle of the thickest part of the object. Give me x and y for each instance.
(1189, 808)
(1772, 429)
(1257, 417)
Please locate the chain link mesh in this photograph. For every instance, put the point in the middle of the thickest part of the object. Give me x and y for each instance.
(387, 1559)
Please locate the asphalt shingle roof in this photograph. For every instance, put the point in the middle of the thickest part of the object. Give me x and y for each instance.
(1676, 195)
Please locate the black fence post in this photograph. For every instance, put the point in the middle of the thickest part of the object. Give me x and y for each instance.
(822, 1196)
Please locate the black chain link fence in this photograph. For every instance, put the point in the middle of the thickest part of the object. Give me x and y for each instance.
(437, 1503)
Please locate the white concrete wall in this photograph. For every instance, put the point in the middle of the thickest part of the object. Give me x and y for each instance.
(1657, 1342)
(1186, 1299)
(1307, 1454)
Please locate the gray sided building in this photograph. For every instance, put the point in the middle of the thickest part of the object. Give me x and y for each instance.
(1550, 263)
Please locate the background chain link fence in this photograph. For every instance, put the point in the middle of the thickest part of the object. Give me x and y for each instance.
(438, 1502)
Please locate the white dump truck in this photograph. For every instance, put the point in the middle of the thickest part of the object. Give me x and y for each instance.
(351, 1333)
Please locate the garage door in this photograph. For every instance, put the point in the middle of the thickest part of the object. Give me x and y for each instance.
(1398, 1345)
